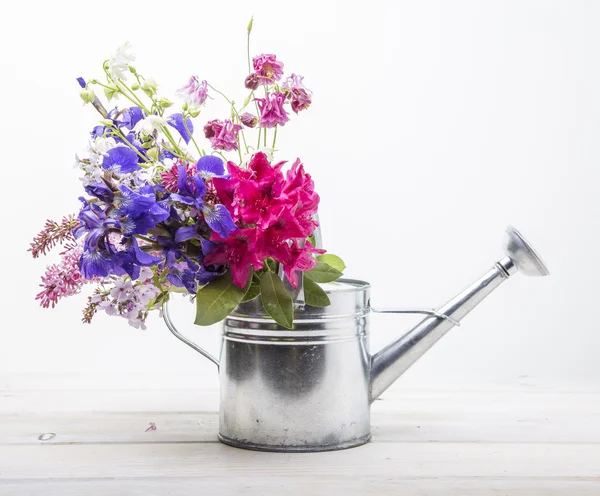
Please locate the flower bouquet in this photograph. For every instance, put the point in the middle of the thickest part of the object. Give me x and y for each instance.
(166, 211)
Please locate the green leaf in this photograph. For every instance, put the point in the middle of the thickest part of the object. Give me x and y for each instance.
(253, 292)
(323, 272)
(332, 260)
(217, 300)
(276, 300)
(314, 294)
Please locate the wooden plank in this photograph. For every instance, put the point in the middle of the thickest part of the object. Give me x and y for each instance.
(454, 402)
(426, 426)
(305, 484)
(427, 460)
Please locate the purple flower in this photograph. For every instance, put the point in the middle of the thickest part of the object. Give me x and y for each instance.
(300, 97)
(219, 220)
(222, 134)
(81, 82)
(100, 191)
(210, 166)
(271, 109)
(191, 189)
(268, 68)
(100, 257)
(131, 117)
(138, 212)
(194, 93)
(176, 121)
(252, 81)
(121, 159)
(248, 119)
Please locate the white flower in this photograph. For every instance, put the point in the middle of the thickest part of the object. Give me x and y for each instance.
(102, 145)
(149, 124)
(118, 64)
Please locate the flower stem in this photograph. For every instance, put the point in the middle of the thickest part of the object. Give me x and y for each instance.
(274, 137)
(190, 135)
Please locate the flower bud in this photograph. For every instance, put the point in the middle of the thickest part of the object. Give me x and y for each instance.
(252, 81)
(149, 87)
(250, 24)
(248, 119)
(165, 102)
(194, 111)
(184, 107)
(209, 130)
(135, 86)
(153, 154)
(87, 95)
(106, 122)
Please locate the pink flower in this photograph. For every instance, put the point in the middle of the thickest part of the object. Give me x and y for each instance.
(248, 119)
(267, 68)
(170, 177)
(271, 109)
(239, 252)
(276, 215)
(300, 97)
(194, 92)
(300, 259)
(63, 279)
(252, 81)
(299, 189)
(222, 134)
(256, 191)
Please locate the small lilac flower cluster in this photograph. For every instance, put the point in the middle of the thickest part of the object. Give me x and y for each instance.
(161, 214)
(128, 299)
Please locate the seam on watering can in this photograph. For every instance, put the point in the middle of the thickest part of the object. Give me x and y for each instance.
(302, 321)
(240, 338)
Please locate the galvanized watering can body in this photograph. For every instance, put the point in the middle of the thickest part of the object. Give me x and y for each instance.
(310, 388)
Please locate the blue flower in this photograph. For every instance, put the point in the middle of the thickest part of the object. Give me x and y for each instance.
(176, 121)
(81, 82)
(121, 159)
(210, 166)
(191, 189)
(100, 191)
(131, 117)
(219, 219)
(138, 212)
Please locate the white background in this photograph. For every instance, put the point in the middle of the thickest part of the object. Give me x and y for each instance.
(434, 125)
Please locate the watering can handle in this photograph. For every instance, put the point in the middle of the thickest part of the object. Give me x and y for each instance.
(433, 313)
(181, 337)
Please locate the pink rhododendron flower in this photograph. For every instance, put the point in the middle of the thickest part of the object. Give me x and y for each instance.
(268, 68)
(300, 259)
(271, 109)
(239, 252)
(194, 92)
(222, 134)
(276, 212)
(300, 97)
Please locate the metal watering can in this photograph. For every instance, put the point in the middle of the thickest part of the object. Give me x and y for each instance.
(310, 388)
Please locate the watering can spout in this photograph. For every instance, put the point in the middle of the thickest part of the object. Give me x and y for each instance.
(393, 360)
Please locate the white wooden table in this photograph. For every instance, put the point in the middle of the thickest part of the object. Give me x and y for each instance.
(523, 437)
